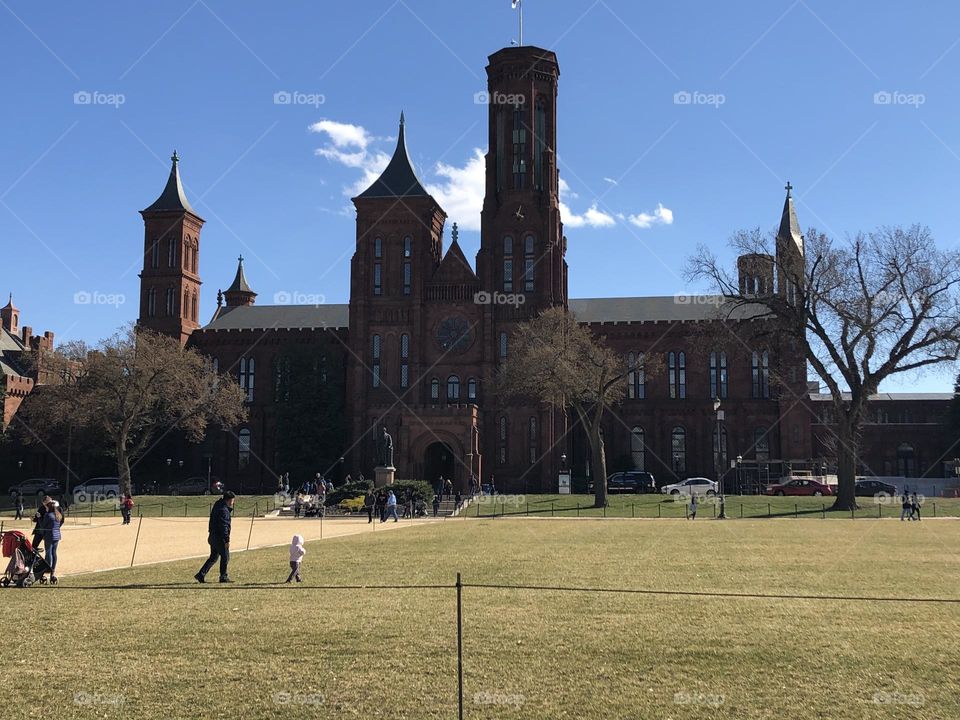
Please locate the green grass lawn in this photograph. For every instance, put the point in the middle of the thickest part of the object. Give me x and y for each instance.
(655, 505)
(164, 647)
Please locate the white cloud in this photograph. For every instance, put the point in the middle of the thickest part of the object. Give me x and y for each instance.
(343, 134)
(611, 181)
(566, 192)
(460, 193)
(591, 218)
(660, 216)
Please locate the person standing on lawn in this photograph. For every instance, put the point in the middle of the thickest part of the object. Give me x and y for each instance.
(436, 505)
(37, 521)
(50, 527)
(693, 506)
(126, 505)
(18, 505)
(906, 510)
(369, 502)
(219, 538)
(297, 551)
(914, 507)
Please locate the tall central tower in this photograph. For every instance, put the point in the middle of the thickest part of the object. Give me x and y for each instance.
(521, 242)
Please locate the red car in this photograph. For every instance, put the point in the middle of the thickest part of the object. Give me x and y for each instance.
(799, 486)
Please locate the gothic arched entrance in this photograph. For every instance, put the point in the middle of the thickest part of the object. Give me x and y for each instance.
(438, 460)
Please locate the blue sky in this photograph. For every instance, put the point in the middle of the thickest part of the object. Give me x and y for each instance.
(779, 90)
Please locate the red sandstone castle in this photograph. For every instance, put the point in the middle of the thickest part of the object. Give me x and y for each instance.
(420, 341)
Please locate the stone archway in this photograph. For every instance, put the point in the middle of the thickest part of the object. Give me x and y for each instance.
(439, 461)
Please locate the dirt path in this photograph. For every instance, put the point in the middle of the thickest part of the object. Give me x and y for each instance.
(106, 544)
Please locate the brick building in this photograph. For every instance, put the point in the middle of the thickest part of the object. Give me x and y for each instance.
(18, 373)
(418, 345)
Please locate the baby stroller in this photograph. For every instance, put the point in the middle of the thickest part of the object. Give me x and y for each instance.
(26, 566)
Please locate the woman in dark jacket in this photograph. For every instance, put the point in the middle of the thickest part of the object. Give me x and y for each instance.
(50, 525)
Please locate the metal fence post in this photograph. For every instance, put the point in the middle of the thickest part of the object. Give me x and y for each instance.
(633, 509)
(768, 509)
(796, 510)
(136, 541)
(578, 509)
(250, 534)
(823, 511)
(741, 511)
(879, 510)
(659, 507)
(551, 508)
(161, 509)
(934, 509)
(459, 647)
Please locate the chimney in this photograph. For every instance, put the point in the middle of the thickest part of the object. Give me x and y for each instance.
(26, 334)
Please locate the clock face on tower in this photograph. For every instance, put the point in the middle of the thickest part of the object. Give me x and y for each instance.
(453, 334)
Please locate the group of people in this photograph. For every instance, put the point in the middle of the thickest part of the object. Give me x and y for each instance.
(909, 507)
(48, 519)
(383, 504)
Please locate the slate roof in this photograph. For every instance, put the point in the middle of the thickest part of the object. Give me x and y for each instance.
(826, 397)
(670, 308)
(240, 283)
(9, 344)
(398, 179)
(172, 197)
(280, 317)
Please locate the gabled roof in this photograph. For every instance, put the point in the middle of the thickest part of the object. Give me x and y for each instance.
(789, 224)
(670, 308)
(172, 197)
(399, 179)
(454, 267)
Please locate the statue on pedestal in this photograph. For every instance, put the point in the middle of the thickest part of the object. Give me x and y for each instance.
(385, 449)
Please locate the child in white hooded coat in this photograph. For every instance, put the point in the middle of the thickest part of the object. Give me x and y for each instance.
(297, 551)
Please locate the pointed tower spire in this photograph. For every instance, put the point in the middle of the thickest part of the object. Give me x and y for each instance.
(399, 179)
(172, 198)
(239, 292)
(789, 225)
(10, 317)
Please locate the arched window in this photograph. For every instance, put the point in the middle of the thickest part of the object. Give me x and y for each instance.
(407, 265)
(533, 446)
(171, 253)
(761, 444)
(453, 388)
(906, 461)
(678, 448)
(171, 302)
(193, 306)
(472, 389)
(720, 446)
(377, 266)
(503, 346)
(528, 263)
(636, 376)
(151, 302)
(186, 304)
(631, 376)
(677, 375)
(760, 370)
(508, 264)
(404, 360)
(638, 449)
(376, 347)
(243, 449)
(434, 389)
(519, 146)
(155, 254)
(718, 375)
(247, 374)
(502, 440)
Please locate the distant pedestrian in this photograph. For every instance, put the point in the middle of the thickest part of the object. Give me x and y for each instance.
(18, 505)
(219, 537)
(449, 487)
(50, 526)
(369, 502)
(391, 507)
(378, 505)
(297, 505)
(693, 507)
(126, 506)
(347, 480)
(360, 478)
(914, 507)
(297, 551)
(906, 509)
(436, 505)
(457, 500)
(37, 521)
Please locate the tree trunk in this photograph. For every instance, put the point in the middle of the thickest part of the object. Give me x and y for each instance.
(598, 463)
(846, 467)
(123, 469)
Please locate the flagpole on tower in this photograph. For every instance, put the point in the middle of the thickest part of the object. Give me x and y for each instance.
(518, 5)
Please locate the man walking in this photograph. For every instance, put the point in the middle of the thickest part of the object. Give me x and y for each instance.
(369, 502)
(391, 507)
(906, 510)
(18, 505)
(219, 537)
(914, 507)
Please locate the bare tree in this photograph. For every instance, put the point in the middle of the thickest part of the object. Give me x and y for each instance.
(862, 310)
(558, 362)
(133, 386)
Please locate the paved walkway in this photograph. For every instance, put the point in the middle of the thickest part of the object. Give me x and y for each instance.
(106, 544)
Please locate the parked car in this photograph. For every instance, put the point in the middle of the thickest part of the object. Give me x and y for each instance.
(691, 486)
(872, 488)
(97, 490)
(38, 487)
(634, 481)
(799, 486)
(195, 486)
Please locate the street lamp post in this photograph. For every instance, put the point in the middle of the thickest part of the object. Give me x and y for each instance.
(719, 413)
